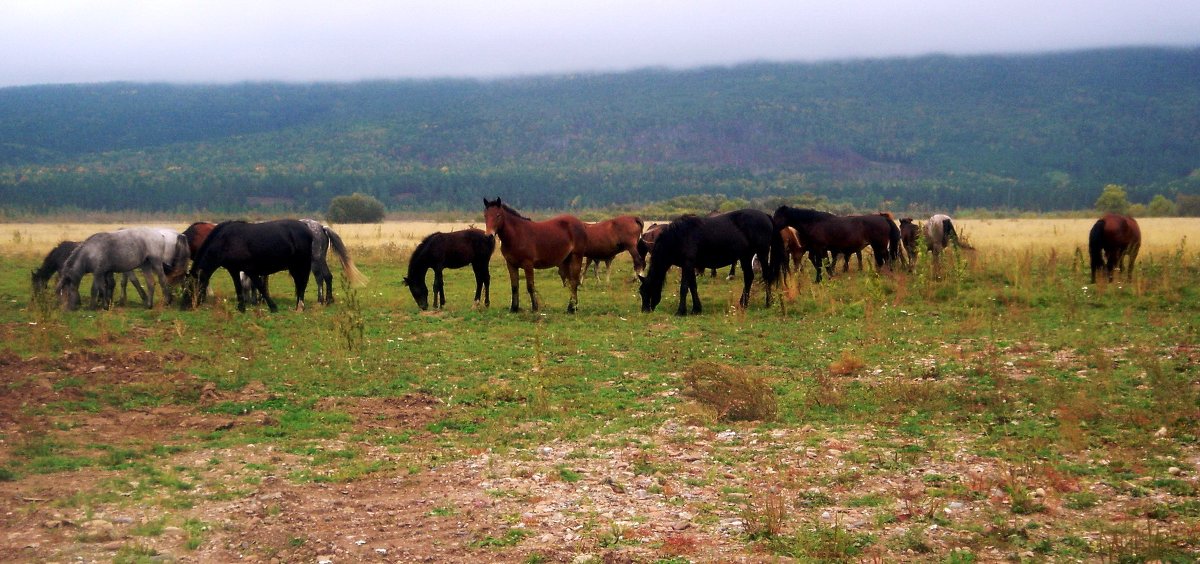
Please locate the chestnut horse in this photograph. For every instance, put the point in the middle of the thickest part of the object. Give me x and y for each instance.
(606, 239)
(526, 244)
(1113, 238)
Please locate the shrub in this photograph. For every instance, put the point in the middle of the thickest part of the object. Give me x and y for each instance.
(735, 393)
(355, 208)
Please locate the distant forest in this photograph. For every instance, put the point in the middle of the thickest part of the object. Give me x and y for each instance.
(1035, 132)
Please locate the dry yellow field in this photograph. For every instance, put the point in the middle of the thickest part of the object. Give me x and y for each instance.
(1160, 235)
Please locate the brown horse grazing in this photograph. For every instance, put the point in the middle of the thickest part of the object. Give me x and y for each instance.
(526, 244)
(823, 233)
(606, 239)
(1113, 238)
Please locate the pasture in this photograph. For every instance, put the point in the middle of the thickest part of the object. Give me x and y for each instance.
(994, 406)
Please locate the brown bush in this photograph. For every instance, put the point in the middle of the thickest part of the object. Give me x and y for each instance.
(734, 393)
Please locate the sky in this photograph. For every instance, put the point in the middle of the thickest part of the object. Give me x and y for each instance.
(223, 41)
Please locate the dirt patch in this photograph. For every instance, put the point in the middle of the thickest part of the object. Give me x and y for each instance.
(410, 411)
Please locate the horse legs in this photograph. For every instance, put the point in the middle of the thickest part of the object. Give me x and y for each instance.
(574, 266)
(299, 274)
(817, 259)
(483, 281)
(439, 294)
(514, 280)
(127, 277)
(747, 280)
(149, 271)
(241, 291)
(324, 278)
(532, 289)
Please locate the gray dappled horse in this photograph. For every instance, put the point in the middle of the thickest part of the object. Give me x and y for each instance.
(940, 233)
(154, 251)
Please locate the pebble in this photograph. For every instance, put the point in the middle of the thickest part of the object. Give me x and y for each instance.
(98, 530)
(1174, 471)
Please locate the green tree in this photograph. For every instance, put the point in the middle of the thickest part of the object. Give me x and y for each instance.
(355, 208)
(1113, 199)
(1187, 205)
(1160, 206)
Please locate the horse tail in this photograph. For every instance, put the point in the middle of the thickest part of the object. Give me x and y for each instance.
(778, 260)
(1096, 245)
(352, 273)
(948, 232)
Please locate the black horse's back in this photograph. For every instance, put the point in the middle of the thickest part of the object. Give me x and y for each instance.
(258, 250)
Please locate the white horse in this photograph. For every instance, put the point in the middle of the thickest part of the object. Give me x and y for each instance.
(940, 233)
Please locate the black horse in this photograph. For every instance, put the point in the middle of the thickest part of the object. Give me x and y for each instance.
(693, 242)
(822, 233)
(259, 250)
(450, 250)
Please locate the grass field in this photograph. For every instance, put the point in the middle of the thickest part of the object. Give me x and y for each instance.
(994, 406)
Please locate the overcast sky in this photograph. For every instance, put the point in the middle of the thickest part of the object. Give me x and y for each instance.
(64, 41)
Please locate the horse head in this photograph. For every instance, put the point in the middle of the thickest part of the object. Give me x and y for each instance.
(420, 292)
(651, 292)
(68, 292)
(493, 215)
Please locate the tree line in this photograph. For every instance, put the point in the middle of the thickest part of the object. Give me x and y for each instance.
(1036, 132)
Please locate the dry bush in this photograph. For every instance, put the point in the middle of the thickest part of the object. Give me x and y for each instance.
(766, 515)
(735, 393)
(846, 365)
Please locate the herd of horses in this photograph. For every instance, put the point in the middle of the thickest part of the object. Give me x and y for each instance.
(758, 242)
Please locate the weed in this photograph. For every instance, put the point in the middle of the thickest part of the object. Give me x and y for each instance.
(821, 542)
(511, 537)
(765, 516)
(736, 394)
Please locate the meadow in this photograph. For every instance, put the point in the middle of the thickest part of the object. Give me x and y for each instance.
(992, 406)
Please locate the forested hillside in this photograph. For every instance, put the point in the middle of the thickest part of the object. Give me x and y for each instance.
(1027, 132)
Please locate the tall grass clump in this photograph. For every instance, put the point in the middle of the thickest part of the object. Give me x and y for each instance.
(735, 393)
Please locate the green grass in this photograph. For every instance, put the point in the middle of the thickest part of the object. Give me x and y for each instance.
(1012, 362)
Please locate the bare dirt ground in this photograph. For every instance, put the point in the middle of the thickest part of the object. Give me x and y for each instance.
(563, 502)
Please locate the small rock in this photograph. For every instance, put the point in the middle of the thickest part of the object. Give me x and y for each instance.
(1161, 432)
(1174, 471)
(97, 368)
(583, 559)
(1040, 492)
(681, 525)
(381, 551)
(98, 530)
(174, 532)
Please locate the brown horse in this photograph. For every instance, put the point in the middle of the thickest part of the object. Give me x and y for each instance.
(822, 233)
(606, 239)
(526, 244)
(1113, 238)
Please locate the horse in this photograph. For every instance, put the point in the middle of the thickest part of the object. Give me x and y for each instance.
(909, 232)
(692, 242)
(102, 254)
(196, 233)
(606, 239)
(450, 250)
(940, 233)
(1112, 239)
(54, 261)
(259, 250)
(823, 233)
(323, 237)
(526, 244)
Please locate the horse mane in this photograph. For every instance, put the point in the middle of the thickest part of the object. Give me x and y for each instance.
(414, 262)
(212, 237)
(508, 209)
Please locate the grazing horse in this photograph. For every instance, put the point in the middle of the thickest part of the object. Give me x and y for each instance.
(450, 250)
(940, 233)
(606, 239)
(909, 232)
(120, 251)
(259, 250)
(1113, 238)
(54, 261)
(526, 244)
(823, 233)
(693, 242)
(196, 233)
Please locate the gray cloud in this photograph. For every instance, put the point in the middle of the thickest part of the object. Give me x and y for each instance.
(53, 41)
